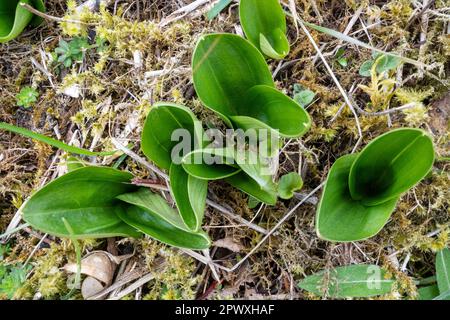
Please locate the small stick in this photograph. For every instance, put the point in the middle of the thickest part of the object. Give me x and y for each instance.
(49, 17)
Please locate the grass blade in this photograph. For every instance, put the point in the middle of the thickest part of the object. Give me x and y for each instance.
(53, 142)
(222, 4)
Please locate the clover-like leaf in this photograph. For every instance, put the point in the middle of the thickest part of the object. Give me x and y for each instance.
(14, 18)
(150, 214)
(264, 24)
(288, 184)
(355, 281)
(390, 165)
(339, 217)
(86, 199)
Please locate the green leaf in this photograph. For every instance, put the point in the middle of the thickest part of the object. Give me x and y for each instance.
(339, 217)
(190, 196)
(264, 24)
(253, 202)
(355, 281)
(276, 110)
(27, 97)
(14, 18)
(443, 270)
(162, 120)
(53, 142)
(150, 214)
(304, 97)
(75, 163)
(428, 293)
(289, 183)
(390, 165)
(245, 183)
(366, 67)
(203, 164)
(222, 4)
(443, 296)
(225, 67)
(86, 199)
(386, 63)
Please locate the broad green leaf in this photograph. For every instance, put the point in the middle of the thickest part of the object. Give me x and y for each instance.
(443, 296)
(288, 184)
(222, 4)
(355, 281)
(190, 196)
(276, 110)
(428, 293)
(153, 216)
(390, 165)
(53, 142)
(264, 24)
(339, 217)
(14, 18)
(443, 270)
(210, 164)
(225, 67)
(86, 199)
(245, 183)
(162, 120)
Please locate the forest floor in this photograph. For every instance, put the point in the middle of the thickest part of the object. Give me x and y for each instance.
(140, 53)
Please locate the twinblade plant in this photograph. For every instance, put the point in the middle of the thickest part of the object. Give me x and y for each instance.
(232, 78)
(14, 18)
(362, 189)
(264, 24)
(355, 281)
(188, 191)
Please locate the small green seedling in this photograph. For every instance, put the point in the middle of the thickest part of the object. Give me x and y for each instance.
(73, 51)
(14, 18)
(232, 78)
(264, 24)
(355, 281)
(384, 63)
(362, 189)
(27, 97)
(288, 184)
(340, 58)
(303, 96)
(440, 290)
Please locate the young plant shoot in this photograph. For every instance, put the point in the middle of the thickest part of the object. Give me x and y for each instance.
(362, 189)
(264, 24)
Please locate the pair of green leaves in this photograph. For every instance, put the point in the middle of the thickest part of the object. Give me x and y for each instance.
(441, 290)
(362, 189)
(264, 24)
(383, 63)
(14, 18)
(232, 79)
(355, 281)
(100, 202)
(158, 145)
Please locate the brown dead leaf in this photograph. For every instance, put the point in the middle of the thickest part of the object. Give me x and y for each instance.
(230, 244)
